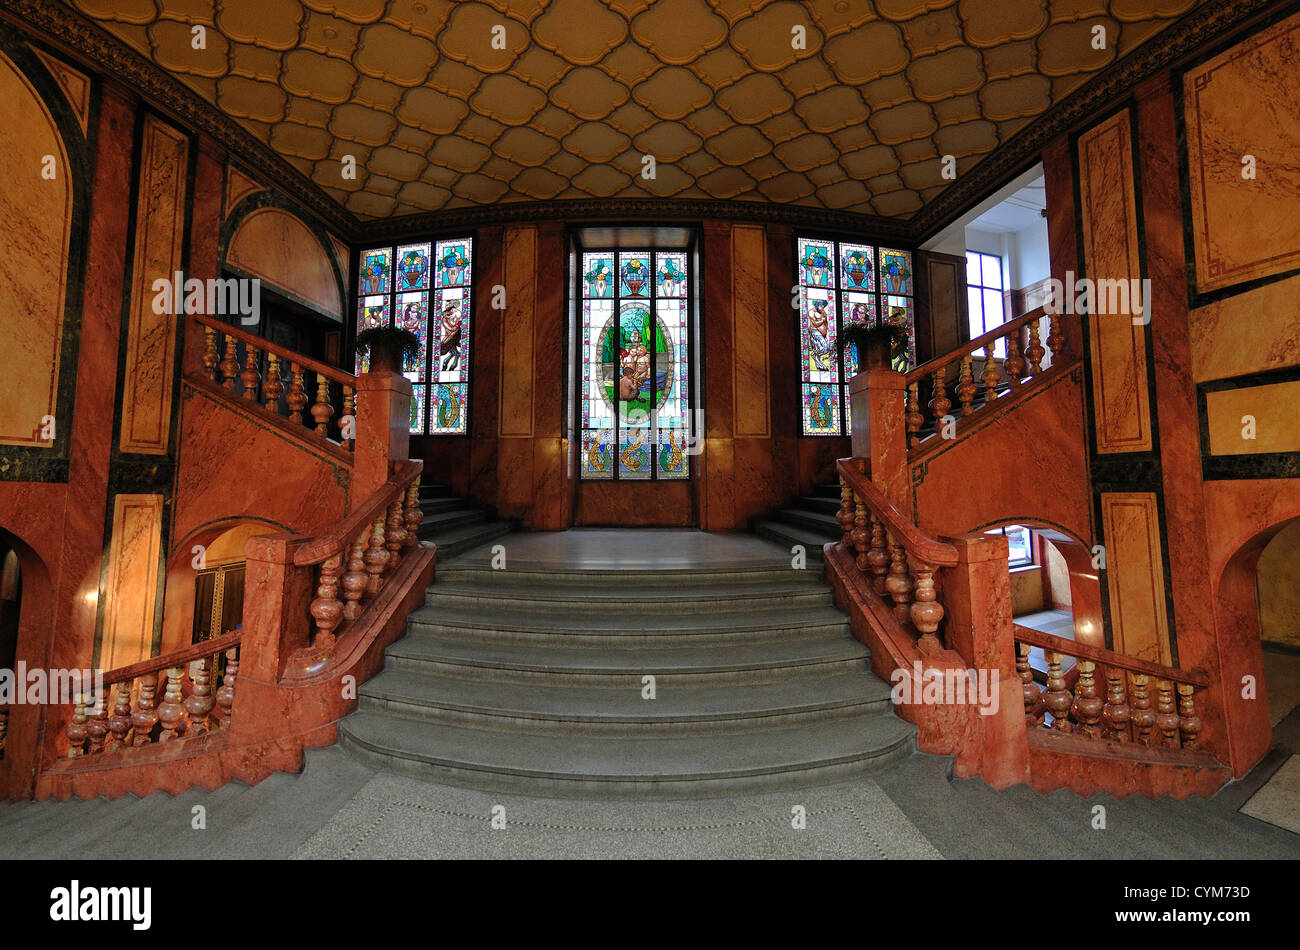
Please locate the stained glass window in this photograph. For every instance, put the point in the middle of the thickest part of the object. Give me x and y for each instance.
(425, 288)
(634, 365)
(842, 283)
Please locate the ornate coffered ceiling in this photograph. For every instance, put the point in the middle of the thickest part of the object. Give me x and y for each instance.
(573, 94)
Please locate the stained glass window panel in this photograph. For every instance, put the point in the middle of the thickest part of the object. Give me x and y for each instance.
(821, 409)
(376, 271)
(635, 365)
(417, 409)
(452, 263)
(448, 408)
(816, 263)
(413, 267)
(895, 272)
(818, 333)
(413, 315)
(857, 268)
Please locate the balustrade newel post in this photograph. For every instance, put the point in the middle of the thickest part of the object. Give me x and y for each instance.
(1029, 689)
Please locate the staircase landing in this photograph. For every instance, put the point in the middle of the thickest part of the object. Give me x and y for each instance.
(532, 676)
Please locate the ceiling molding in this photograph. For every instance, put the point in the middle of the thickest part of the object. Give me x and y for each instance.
(580, 210)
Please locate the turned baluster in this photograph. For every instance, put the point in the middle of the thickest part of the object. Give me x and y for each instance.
(376, 558)
(1143, 718)
(926, 611)
(326, 608)
(98, 727)
(878, 556)
(1117, 714)
(1166, 717)
(1056, 697)
(78, 729)
(200, 701)
(899, 583)
(966, 386)
(396, 538)
(1189, 724)
(845, 515)
(990, 377)
(859, 534)
(229, 365)
(414, 514)
(1087, 706)
(145, 716)
(914, 419)
(119, 724)
(274, 387)
(321, 410)
(354, 581)
(170, 710)
(1028, 688)
(210, 352)
(1034, 351)
(1015, 366)
(349, 413)
(297, 398)
(1055, 336)
(250, 377)
(226, 695)
(940, 404)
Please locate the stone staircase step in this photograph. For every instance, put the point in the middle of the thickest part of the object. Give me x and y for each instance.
(435, 491)
(587, 598)
(815, 521)
(761, 662)
(625, 627)
(578, 581)
(569, 710)
(442, 521)
(465, 537)
(788, 535)
(819, 503)
(680, 767)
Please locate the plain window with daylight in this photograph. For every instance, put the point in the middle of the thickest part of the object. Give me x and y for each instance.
(1020, 544)
(984, 293)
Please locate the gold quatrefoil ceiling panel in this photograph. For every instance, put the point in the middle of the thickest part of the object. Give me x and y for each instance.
(841, 104)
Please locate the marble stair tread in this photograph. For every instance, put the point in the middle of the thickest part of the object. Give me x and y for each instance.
(595, 704)
(1131, 829)
(449, 519)
(790, 535)
(633, 662)
(720, 581)
(820, 503)
(623, 626)
(457, 540)
(580, 601)
(623, 759)
(817, 520)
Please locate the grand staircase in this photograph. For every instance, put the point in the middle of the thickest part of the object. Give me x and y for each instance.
(457, 524)
(808, 520)
(536, 679)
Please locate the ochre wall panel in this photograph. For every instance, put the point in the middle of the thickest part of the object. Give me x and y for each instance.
(1110, 241)
(517, 328)
(1250, 332)
(1135, 576)
(276, 247)
(750, 380)
(33, 261)
(1244, 102)
(1272, 409)
(132, 586)
(151, 337)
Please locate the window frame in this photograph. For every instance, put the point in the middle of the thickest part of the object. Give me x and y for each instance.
(838, 292)
(433, 326)
(999, 346)
(578, 296)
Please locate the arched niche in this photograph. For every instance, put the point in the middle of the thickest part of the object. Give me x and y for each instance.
(37, 209)
(273, 245)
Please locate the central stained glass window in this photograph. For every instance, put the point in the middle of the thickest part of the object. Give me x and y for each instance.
(635, 365)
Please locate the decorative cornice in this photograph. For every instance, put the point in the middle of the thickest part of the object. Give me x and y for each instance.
(579, 210)
(106, 55)
(1180, 41)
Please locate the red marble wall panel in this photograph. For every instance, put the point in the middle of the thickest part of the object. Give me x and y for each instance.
(1028, 464)
(1118, 346)
(223, 450)
(150, 335)
(1058, 182)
